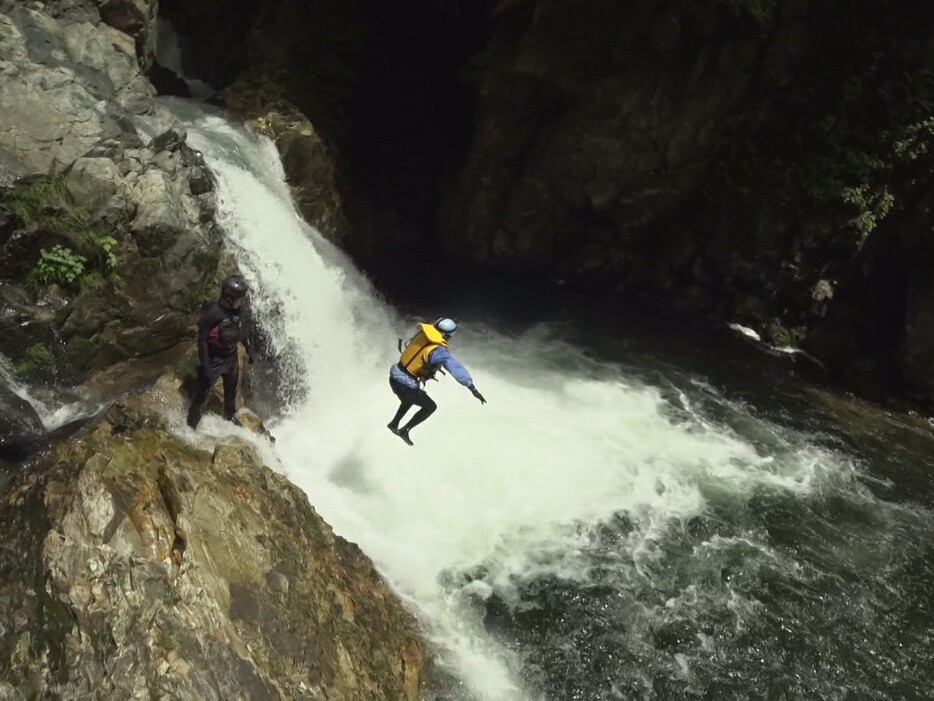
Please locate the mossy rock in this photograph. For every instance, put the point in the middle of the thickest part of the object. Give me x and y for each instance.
(190, 545)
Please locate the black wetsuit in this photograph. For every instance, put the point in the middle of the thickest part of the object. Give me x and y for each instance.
(220, 329)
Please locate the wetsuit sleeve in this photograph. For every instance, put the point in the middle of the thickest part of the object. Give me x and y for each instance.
(442, 356)
(206, 323)
(246, 324)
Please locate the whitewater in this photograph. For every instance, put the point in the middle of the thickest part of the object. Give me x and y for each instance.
(575, 475)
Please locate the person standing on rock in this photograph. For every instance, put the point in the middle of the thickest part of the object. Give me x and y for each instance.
(424, 355)
(221, 328)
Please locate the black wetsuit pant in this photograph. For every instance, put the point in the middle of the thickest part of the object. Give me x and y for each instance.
(409, 397)
(227, 368)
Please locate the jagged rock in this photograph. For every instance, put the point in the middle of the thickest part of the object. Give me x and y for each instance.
(309, 164)
(251, 422)
(138, 566)
(199, 181)
(166, 254)
(129, 16)
(121, 41)
(92, 47)
(160, 218)
(34, 138)
(9, 693)
(72, 98)
(169, 140)
(64, 88)
(98, 184)
(137, 19)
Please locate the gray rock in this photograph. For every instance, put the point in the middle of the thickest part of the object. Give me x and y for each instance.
(167, 161)
(159, 218)
(140, 567)
(169, 140)
(70, 91)
(822, 291)
(9, 693)
(97, 184)
(63, 89)
(89, 46)
(137, 19)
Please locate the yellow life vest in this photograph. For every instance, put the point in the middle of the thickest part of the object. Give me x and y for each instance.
(414, 358)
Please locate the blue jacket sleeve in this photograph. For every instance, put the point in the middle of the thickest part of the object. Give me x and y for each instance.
(442, 356)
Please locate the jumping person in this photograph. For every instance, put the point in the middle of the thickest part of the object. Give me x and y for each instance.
(424, 355)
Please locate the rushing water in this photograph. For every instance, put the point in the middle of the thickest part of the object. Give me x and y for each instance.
(633, 515)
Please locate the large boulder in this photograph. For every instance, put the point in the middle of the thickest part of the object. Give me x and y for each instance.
(139, 566)
(63, 89)
(310, 164)
(136, 19)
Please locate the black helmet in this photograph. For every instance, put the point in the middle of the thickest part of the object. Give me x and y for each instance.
(234, 287)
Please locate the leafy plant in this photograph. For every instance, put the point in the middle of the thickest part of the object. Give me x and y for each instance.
(106, 246)
(47, 204)
(58, 265)
(872, 207)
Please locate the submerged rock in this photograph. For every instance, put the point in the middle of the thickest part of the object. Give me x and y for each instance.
(136, 565)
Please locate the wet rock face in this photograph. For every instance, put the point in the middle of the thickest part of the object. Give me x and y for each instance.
(140, 566)
(80, 177)
(310, 168)
(19, 424)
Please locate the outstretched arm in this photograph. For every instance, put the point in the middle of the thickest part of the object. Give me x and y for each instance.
(444, 358)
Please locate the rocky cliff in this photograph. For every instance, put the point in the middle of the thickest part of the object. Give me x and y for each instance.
(766, 161)
(135, 565)
(107, 240)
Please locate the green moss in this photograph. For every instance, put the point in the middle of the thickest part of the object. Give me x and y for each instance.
(37, 361)
(167, 639)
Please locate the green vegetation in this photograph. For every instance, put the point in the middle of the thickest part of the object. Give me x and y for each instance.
(846, 131)
(37, 361)
(46, 204)
(58, 266)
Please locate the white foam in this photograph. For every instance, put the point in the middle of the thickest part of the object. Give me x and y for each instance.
(52, 414)
(561, 443)
(746, 331)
